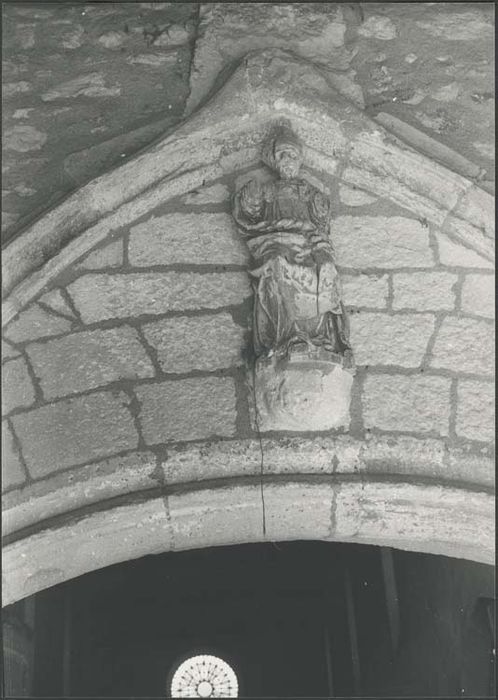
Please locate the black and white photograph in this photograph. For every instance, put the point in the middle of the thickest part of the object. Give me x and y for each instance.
(248, 385)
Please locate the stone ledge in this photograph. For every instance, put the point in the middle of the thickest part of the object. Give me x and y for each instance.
(433, 519)
(234, 461)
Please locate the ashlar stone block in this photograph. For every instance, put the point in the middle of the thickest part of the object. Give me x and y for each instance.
(478, 295)
(102, 296)
(75, 431)
(424, 291)
(17, 388)
(384, 339)
(453, 254)
(407, 403)
(12, 469)
(33, 323)
(464, 345)
(475, 410)
(89, 359)
(365, 290)
(187, 409)
(381, 242)
(192, 239)
(186, 343)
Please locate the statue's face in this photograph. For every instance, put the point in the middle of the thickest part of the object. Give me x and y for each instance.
(288, 161)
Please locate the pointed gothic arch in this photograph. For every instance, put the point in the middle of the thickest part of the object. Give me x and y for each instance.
(402, 489)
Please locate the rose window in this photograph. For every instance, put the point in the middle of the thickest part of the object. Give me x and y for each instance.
(204, 676)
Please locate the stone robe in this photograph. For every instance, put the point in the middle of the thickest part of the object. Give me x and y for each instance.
(298, 295)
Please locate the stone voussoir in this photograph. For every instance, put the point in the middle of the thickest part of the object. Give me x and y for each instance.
(187, 409)
(33, 323)
(475, 419)
(365, 290)
(186, 343)
(407, 403)
(102, 296)
(381, 242)
(478, 295)
(77, 488)
(390, 339)
(453, 254)
(13, 473)
(464, 345)
(89, 359)
(75, 431)
(424, 291)
(191, 239)
(17, 388)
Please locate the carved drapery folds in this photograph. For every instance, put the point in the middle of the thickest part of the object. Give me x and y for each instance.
(303, 358)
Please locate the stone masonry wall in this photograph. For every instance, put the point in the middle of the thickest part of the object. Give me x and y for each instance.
(85, 86)
(140, 349)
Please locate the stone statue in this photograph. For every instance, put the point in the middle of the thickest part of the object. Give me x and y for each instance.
(297, 293)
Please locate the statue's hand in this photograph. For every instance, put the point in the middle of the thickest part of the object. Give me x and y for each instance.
(251, 198)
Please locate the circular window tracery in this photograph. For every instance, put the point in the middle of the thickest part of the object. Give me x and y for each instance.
(204, 676)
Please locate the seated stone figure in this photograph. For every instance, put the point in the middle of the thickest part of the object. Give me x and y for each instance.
(298, 301)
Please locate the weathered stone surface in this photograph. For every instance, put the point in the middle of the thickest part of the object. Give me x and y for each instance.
(381, 241)
(353, 197)
(410, 403)
(89, 359)
(112, 40)
(99, 539)
(77, 488)
(153, 59)
(464, 345)
(382, 339)
(478, 295)
(377, 454)
(9, 89)
(446, 93)
(478, 206)
(298, 511)
(75, 431)
(378, 27)
(90, 85)
(466, 467)
(35, 323)
(186, 343)
(424, 291)
(12, 469)
(55, 300)
(18, 390)
(110, 255)
(200, 239)
(458, 26)
(8, 351)
(475, 410)
(453, 522)
(470, 235)
(216, 517)
(187, 409)
(214, 194)
(423, 457)
(455, 255)
(100, 296)
(301, 394)
(227, 32)
(365, 290)
(23, 139)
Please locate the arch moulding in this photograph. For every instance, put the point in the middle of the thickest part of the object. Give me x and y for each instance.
(426, 494)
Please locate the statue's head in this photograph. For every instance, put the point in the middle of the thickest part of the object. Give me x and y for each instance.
(283, 151)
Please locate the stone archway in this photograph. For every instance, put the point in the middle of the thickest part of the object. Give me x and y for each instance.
(125, 462)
